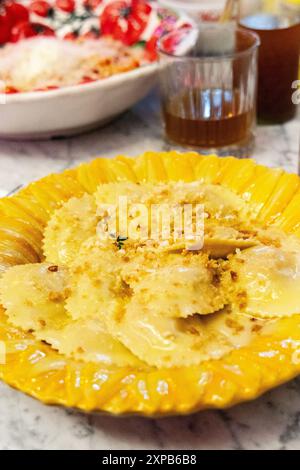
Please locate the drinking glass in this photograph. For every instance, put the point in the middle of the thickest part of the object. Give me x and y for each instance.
(208, 81)
(278, 65)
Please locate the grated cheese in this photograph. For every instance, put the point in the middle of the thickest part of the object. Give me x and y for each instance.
(42, 62)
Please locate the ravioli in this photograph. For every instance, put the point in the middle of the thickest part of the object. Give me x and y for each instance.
(182, 287)
(109, 193)
(88, 340)
(104, 296)
(94, 286)
(268, 281)
(34, 295)
(68, 227)
(174, 342)
(227, 223)
(220, 203)
(34, 298)
(193, 281)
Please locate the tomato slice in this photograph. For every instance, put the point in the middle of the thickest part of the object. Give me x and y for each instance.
(17, 12)
(67, 6)
(27, 30)
(5, 25)
(125, 20)
(71, 36)
(40, 8)
(10, 90)
(91, 4)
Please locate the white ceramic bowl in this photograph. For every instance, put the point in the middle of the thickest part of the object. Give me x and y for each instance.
(71, 110)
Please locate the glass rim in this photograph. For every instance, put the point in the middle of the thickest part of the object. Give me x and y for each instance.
(212, 58)
(243, 25)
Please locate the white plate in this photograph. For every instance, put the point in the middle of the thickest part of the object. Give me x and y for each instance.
(71, 110)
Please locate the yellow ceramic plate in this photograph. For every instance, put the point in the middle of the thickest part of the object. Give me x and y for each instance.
(38, 370)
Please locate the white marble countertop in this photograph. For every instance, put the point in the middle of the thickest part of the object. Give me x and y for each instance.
(271, 422)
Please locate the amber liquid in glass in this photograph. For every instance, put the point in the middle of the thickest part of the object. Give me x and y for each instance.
(207, 118)
(277, 66)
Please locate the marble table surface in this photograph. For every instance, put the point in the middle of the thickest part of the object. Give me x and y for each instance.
(271, 422)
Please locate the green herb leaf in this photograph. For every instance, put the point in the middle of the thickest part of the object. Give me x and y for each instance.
(119, 240)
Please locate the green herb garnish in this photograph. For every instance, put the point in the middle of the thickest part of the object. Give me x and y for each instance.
(119, 240)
